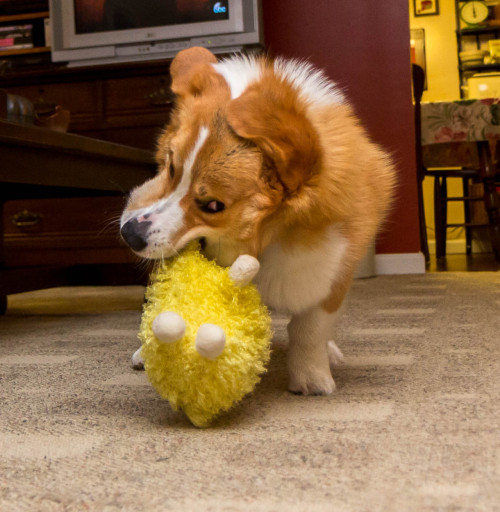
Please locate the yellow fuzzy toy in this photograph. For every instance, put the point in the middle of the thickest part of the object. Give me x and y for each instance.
(205, 339)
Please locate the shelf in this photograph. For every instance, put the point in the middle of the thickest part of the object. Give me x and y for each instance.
(478, 30)
(22, 17)
(477, 37)
(24, 51)
(481, 67)
(37, 18)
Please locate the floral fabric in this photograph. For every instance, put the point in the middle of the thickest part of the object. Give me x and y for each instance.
(457, 121)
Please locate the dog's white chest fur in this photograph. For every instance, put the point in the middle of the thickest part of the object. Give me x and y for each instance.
(295, 279)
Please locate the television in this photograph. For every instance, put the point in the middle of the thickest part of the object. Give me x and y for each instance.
(92, 32)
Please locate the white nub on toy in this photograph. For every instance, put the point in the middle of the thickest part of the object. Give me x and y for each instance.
(244, 269)
(210, 341)
(169, 327)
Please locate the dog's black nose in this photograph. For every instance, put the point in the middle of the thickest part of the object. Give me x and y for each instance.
(135, 234)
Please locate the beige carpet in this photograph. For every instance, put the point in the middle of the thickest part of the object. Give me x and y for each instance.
(414, 424)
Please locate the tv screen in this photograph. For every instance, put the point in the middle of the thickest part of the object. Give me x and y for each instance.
(111, 15)
(86, 32)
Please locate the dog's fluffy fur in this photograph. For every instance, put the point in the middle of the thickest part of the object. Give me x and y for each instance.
(267, 158)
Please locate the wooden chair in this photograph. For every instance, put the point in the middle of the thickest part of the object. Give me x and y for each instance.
(478, 169)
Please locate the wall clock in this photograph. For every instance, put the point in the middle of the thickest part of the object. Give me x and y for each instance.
(474, 12)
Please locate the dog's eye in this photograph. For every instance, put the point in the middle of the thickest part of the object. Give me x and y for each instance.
(171, 170)
(212, 206)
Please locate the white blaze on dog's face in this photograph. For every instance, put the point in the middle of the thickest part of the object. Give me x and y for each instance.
(159, 224)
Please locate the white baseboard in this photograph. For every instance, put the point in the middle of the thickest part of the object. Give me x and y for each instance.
(405, 263)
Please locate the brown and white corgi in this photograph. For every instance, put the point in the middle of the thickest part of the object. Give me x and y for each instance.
(267, 158)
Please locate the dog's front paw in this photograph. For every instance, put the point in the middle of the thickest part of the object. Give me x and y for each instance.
(137, 360)
(306, 381)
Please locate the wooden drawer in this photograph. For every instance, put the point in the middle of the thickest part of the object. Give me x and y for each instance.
(141, 93)
(125, 105)
(64, 231)
(88, 214)
(81, 98)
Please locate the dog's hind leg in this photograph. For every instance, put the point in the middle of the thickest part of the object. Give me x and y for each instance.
(335, 355)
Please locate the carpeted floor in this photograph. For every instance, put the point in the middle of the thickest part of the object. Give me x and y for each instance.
(414, 424)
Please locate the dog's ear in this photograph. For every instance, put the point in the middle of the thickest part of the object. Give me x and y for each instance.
(270, 115)
(192, 72)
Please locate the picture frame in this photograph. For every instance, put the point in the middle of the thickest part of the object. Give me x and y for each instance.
(425, 7)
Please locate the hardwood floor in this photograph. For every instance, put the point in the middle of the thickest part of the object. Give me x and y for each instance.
(484, 262)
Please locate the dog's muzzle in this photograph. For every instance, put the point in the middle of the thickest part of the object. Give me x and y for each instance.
(135, 234)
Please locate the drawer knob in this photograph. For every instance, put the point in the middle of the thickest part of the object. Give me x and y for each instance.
(26, 219)
(160, 97)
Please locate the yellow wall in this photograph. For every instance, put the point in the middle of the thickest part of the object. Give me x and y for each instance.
(441, 52)
(442, 85)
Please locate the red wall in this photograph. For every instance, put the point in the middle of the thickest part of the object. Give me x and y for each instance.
(365, 47)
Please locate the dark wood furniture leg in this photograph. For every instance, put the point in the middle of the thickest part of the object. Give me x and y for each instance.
(424, 244)
(440, 214)
(3, 296)
(467, 217)
(491, 196)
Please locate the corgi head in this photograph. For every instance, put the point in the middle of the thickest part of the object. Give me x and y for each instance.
(235, 163)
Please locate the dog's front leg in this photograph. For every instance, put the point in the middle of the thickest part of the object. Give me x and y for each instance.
(308, 361)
